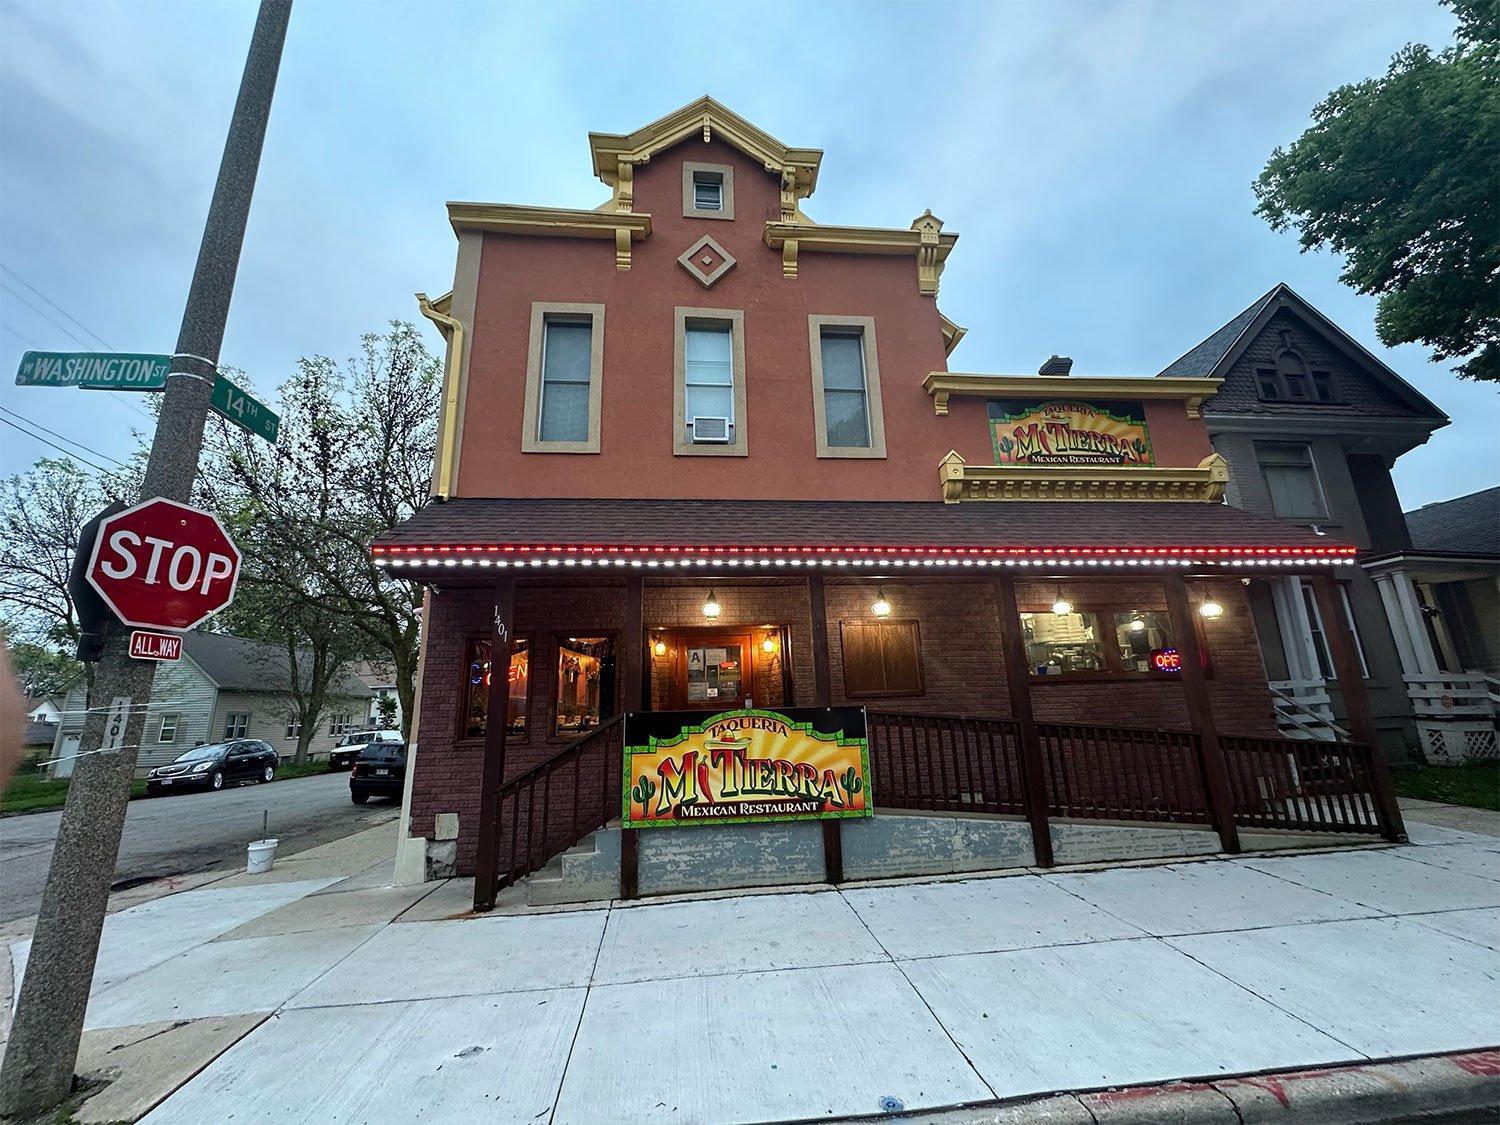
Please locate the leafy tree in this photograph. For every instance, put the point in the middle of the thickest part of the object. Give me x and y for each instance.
(41, 670)
(42, 514)
(1398, 174)
(386, 706)
(354, 458)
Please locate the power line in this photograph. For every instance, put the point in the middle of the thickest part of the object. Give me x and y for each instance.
(71, 456)
(56, 306)
(27, 340)
(62, 437)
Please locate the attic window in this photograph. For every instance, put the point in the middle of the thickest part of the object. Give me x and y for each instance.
(1291, 380)
(707, 191)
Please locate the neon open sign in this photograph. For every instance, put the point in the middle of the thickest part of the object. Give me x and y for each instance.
(1166, 660)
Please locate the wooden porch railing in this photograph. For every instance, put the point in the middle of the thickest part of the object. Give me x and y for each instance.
(946, 762)
(1123, 773)
(549, 808)
(1306, 786)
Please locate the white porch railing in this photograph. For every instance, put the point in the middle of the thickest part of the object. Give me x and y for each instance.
(1304, 710)
(1454, 695)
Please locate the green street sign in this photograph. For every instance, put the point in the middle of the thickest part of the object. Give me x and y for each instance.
(244, 411)
(95, 371)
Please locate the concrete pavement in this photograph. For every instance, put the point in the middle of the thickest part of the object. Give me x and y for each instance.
(387, 1004)
(190, 833)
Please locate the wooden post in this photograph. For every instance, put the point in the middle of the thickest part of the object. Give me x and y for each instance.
(1018, 681)
(1356, 702)
(487, 862)
(833, 841)
(635, 665)
(1200, 713)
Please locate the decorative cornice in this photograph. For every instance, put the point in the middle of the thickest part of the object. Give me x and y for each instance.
(615, 155)
(952, 334)
(924, 241)
(962, 482)
(943, 384)
(624, 227)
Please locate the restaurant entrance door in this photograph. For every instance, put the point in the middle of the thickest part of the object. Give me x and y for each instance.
(712, 670)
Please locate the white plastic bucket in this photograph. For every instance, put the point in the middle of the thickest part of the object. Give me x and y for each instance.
(262, 853)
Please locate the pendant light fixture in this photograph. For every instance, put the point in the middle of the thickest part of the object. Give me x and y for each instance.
(711, 608)
(1062, 607)
(881, 607)
(1137, 623)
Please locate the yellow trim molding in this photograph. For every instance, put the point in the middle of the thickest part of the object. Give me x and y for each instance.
(962, 482)
(924, 241)
(624, 227)
(943, 384)
(615, 155)
(453, 331)
(952, 334)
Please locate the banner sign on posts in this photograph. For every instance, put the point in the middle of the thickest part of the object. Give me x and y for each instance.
(745, 767)
(244, 411)
(95, 371)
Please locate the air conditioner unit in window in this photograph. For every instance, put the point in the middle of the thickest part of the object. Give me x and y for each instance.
(711, 431)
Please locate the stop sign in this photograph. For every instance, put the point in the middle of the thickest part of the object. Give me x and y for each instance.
(163, 565)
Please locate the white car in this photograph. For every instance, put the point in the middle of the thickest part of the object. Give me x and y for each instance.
(342, 756)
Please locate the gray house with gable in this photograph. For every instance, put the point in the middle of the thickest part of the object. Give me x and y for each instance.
(223, 687)
(1311, 423)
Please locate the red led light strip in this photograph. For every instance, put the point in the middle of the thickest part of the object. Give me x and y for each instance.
(399, 552)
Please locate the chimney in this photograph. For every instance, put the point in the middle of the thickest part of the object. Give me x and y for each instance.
(1057, 365)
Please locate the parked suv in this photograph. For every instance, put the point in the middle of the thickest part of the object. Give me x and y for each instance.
(342, 756)
(379, 771)
(215, 766)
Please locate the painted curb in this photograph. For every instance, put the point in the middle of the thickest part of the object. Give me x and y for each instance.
(1363, 1094)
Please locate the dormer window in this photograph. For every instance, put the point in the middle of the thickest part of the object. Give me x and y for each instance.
(1291, 380)
(707, 191)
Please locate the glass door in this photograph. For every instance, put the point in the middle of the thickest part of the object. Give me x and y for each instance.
(713, 672)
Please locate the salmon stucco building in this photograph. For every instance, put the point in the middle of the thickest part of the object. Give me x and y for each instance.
(700, 454)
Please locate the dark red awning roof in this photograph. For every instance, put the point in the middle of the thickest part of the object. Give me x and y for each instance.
(484, 525)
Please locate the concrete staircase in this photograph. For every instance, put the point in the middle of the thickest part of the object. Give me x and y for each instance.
(589, 871)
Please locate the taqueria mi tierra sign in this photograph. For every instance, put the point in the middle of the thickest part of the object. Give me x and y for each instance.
(738, 767)
(1069, 433)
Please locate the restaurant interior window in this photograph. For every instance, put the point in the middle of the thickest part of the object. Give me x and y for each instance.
(1058, 643)
(477, 688)
(585, 683)
(1138, 635)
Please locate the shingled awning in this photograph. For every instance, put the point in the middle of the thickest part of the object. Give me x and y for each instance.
(526, 532)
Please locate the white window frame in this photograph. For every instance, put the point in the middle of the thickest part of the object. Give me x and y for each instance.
(170, 721)
(294, 728)
(236, 730)
(864, 326)
(341, 723)
(682, 442)
(691, 170)
(1266, 458)
(1322, 654)
(541, 312)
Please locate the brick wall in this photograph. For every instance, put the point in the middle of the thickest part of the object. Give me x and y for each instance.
(963, 666)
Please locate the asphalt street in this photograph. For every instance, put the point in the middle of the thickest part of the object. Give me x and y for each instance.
(194, 832)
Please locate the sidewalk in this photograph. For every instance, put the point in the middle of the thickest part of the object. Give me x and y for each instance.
(344, 1000)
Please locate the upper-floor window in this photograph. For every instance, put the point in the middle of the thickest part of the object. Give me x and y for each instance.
(1291, 480)
(710, 385)
(1291, 380)
(707, 190)
(846, 387)
(564, 367)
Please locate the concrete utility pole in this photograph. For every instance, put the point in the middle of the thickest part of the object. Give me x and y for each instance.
(38, 1070)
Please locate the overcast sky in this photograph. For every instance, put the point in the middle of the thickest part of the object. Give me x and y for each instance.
(1096, 159)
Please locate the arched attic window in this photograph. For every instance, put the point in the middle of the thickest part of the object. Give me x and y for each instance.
(1291, 380)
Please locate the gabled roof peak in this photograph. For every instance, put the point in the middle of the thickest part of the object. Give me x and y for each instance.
(798, 167)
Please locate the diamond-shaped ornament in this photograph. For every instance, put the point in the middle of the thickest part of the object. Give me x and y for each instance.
(706, 260)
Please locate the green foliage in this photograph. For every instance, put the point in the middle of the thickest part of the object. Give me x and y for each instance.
(42, 670)
(30, 792)
(1398, 175)
(1476, 784)
(644, 791)
(387, 708)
